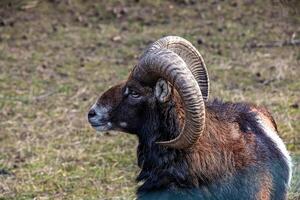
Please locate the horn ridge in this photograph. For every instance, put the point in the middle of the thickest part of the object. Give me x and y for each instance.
(190, 55)
(166, 64)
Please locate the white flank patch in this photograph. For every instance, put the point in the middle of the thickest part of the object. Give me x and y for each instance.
(271, 133)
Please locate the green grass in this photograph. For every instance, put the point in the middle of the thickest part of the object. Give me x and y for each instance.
(56, 57)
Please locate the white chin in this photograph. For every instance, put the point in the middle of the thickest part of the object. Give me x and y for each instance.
(101, 128)
(106, 127)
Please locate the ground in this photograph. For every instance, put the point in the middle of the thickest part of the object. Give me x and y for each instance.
(56, 57)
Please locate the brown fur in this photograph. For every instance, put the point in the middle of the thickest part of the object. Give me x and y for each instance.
(221, 149)
(265, 188)
(112, 97)
(265, 116)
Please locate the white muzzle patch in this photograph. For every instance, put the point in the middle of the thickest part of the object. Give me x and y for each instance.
(100, 121)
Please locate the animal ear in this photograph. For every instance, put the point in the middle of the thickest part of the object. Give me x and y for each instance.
(162, 90)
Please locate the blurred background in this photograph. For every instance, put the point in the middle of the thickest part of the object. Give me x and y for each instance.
(57, 56)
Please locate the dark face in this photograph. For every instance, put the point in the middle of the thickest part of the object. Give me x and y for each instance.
(123, 107)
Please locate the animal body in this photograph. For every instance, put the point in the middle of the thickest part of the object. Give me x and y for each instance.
(191, 147)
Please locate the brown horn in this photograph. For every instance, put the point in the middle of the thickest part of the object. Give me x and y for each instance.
(191, 57)
(164, 63)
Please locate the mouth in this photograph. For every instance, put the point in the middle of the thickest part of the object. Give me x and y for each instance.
(95, 125)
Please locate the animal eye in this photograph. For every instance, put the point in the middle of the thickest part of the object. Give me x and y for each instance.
(134, 94)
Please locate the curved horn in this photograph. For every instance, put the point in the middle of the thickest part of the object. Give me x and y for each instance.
(164, 63)
(191, 57)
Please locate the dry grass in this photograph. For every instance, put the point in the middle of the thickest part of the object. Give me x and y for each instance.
(56, 57)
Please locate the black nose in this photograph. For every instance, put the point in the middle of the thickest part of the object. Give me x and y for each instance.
(92, 113)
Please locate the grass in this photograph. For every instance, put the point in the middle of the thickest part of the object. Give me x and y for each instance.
(56, 57)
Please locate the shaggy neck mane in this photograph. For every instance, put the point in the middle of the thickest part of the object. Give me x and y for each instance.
(220, 152)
